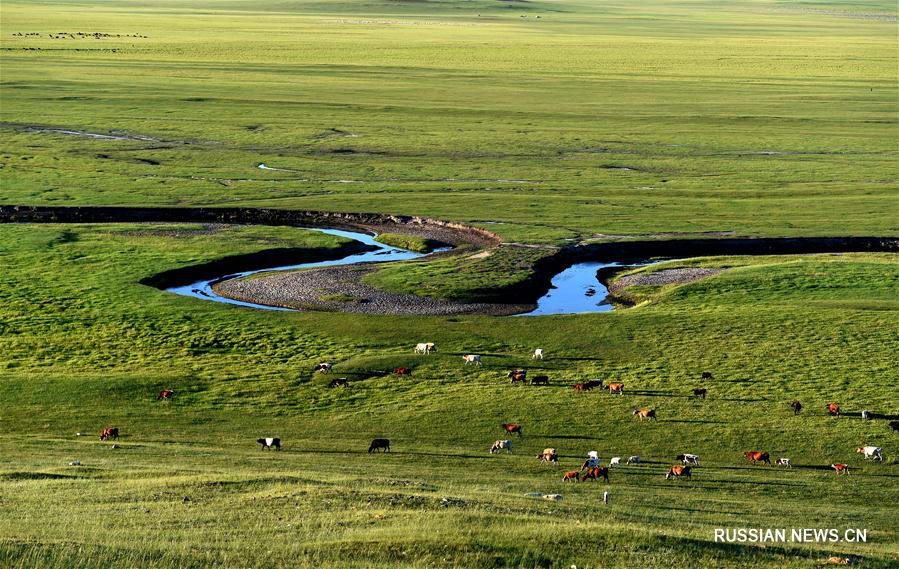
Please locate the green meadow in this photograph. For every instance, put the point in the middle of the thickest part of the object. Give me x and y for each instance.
(547, 122)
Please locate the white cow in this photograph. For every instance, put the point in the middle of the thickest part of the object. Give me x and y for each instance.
(472, 359)
(871, 452)
(501, 445)
(425, 348)
(324, 367)
(616, 461)
(538, 354)
(633, 460)
(689, 459)
(784, 462)
(866, 415)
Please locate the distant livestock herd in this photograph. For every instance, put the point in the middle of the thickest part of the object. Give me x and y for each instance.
(591, 469)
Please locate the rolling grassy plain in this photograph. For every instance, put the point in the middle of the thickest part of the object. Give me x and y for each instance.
(595, 119)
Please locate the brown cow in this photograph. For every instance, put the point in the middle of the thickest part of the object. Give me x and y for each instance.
(571, 475)
(616, 388)
(579, 387)
(678, 471)
(645, 414)
(109, 433)
(540, 380)
(166, 394)
(833, 409)
(596, 473)
(700, 393)
(376, 444)
(518, 376)
(548, 455)
(402, 371)
(754, 456)
(841, 468)
(797, 406)
(512, 428)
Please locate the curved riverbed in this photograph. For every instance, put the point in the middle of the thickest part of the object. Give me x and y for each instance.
(574, 290)
(203, 289)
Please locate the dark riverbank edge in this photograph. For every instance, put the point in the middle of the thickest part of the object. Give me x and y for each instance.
(525, 292)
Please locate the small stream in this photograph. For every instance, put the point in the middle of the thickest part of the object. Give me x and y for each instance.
(575, 290)
(202, 289)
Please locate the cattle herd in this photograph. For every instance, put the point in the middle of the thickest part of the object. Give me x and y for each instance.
(591, 469)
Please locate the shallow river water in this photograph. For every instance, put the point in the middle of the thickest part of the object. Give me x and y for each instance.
(574, 290)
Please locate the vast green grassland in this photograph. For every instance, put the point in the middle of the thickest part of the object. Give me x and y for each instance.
(759, 117)
(565, 121)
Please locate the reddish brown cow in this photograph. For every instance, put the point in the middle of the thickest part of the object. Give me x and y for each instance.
(616, 388)
(596, 473)
(833, 409)
(512, 428)
(579, 387)
(678, 471)
(754, 456)
(165, 394)
(402, 371)
(840, 468)
(571, 475)
(518, 376)
(645, 414)
(109, 433)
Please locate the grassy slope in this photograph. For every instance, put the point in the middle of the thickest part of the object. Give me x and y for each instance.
(85, 346)
(473, 114)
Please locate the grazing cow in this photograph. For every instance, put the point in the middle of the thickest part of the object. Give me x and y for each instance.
(402, 371)
(688, 459)
(596, 473)
(833, 409)
(754, 456)
(706, 375)
(797, 406)
(616, 461)
(472, 359)
(518, 376)
(166, 394)
(270, 443)
(339, 382)
(866, 415)
(579, 387)
(679, 471)
(109, 433)
(840, 468)
(616, 388)
(571, 475)
(633, 460)
(548, 455)
(894, 425)
(512, 428)
(324, 367)
(785, 462)
(645, 414)
(501, 445)
(376, 444)
(594, 383)
(875, 453)
(538, 354)
(592, 460)
(540, 380)
(425, 348)
(700, 393)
